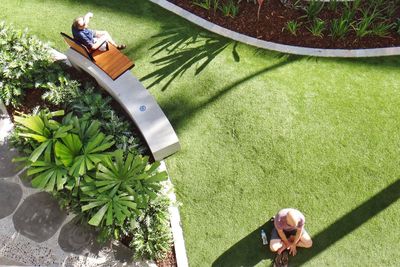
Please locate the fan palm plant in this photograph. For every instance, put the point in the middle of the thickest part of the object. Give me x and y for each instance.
(42, 129)
(120, 187)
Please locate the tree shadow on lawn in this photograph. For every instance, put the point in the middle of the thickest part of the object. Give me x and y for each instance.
(180, 109)
(185, 49)
(392, 62)
(247, 252)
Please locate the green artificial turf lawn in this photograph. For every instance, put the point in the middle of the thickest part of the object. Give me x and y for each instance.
(259, 131)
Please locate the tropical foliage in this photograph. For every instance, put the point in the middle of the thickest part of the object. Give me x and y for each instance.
(152, 233)
(25, 63)
(112, 188)
(120, 187)
(89, 160)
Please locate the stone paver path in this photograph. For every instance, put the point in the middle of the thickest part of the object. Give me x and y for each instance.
(35, 231)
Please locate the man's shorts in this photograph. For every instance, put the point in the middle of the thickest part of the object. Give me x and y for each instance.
(275, 235)
(103, 47)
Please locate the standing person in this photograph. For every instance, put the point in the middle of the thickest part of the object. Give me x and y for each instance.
(90, 38)
(289, 232)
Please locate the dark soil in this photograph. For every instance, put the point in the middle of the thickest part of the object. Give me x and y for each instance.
(274, 16)
(169, 261)
(32, 99)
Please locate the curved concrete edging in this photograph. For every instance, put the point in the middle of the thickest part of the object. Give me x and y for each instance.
(305, 51)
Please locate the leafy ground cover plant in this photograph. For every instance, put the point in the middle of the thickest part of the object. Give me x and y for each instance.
(362, 28)
(25, 63)
(152, 233)
(206, 4)
(42, 131)
(340, 27)
(382, 29)
(292, 26)
(313, 8)
(317, 27)
(229, 9)
(94, 106)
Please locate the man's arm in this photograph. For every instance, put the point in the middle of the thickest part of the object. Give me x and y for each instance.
(297, 237)
(293, 245)
(87, 18)
(283, 237)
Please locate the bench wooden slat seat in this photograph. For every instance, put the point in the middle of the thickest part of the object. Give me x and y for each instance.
(112, 62)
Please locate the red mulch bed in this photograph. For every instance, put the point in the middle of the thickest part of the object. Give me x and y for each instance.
(273, 18)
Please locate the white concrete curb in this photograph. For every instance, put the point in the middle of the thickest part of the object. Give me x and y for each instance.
(305, 51)
(175, 219)
(5, 123)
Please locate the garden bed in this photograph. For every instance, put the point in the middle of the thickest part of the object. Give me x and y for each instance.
(275, 24)
(78, 145)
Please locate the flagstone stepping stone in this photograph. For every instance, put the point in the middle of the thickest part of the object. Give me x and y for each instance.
(78, 237)
(39, 217)
(7, 167)
(10, 196)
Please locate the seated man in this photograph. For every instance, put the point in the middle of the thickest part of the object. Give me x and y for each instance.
(289, 232)
(91, 39)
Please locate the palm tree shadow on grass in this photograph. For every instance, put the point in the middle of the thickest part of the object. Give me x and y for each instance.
(183, 51)
(180, 109)
(247, 251)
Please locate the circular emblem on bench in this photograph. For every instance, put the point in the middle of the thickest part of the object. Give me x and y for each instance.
(142, 108)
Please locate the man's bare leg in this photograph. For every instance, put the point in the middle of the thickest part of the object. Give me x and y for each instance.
(106, 36)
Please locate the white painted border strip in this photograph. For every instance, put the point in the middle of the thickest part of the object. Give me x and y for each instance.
(305, 51)
(5, 123)
(175, 219)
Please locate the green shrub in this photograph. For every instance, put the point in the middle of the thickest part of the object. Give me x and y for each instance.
(397, 25)
(83, 147)
(64, 91)
(71, 160)
(382, 29)
(96, 107)
(206, 4)
(313, 8)
(25, 63)
(340, 27)
(317, 27)
(229, 9)
(362, 27)
(119, 188)
(22, 57)
(42, 131)
(152, 236)
(292, 26)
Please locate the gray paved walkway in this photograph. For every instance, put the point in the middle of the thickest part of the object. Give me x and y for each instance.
(33, 229)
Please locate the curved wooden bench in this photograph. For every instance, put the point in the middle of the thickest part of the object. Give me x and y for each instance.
(136, 101)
